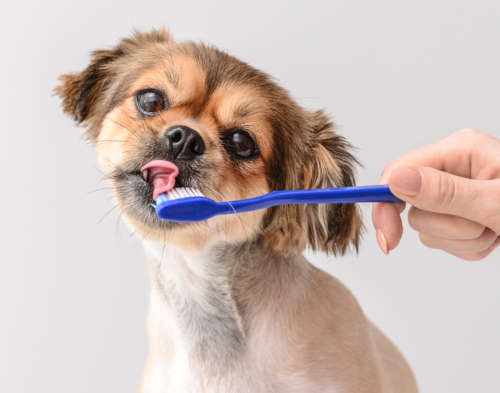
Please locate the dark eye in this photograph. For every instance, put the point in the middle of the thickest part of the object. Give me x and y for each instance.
(150, 102)
(239, 143)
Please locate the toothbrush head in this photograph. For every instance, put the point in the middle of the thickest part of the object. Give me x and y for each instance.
(184, 204)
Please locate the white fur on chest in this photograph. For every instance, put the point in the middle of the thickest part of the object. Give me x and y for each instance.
(193, 324)
(168, 366)
(169, 369)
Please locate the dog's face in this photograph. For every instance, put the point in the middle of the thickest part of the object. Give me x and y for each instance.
(230, 130)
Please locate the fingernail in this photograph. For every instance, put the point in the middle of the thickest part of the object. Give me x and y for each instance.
(382, 242)
(405, 181)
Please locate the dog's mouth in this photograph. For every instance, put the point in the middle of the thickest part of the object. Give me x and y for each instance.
(161, 175)
(138, 189)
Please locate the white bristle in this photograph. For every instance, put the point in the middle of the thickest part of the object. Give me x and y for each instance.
(183, 192)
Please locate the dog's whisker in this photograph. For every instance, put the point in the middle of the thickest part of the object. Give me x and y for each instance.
(107, 214)
(109, 141)
(222, 199)
(124, 126)
(108, 188)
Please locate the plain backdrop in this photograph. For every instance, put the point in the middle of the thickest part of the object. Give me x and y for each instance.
(395, 75)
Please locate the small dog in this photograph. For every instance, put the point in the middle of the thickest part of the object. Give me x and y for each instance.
(235, 307)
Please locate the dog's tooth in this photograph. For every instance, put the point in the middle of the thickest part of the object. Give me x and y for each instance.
(145, 174)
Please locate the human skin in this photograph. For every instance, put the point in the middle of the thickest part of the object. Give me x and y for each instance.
(453, 187)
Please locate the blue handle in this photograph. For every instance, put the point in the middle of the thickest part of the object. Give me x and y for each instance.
(377, 193)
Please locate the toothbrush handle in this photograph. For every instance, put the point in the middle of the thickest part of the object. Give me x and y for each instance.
(377, 193)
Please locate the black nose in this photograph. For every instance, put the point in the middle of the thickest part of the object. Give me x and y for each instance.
(184, 142)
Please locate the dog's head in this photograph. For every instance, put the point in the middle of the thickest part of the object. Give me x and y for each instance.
(232, 132)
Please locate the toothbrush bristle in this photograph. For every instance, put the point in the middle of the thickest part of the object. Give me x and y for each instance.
(183, 192)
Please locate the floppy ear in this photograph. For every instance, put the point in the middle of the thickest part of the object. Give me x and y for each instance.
(330, 227)
(82, 93)
(323, 160)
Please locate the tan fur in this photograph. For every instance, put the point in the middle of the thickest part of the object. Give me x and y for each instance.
(234, 305)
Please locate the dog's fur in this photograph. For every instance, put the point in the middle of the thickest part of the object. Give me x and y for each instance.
(235, 307)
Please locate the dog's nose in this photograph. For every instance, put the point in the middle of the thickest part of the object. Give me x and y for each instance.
(184, 142)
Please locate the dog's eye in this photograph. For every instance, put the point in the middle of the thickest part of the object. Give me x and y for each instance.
(150, 102)
(240, 143)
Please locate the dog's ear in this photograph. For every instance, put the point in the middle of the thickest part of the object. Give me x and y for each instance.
(323, 160)
(330, 227)
(82, 92)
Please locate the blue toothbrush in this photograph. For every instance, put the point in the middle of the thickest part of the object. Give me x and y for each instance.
(190, 205)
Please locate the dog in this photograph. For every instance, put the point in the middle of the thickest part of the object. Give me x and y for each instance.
(234, 305)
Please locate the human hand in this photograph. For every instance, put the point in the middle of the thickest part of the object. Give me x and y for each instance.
(453, 186)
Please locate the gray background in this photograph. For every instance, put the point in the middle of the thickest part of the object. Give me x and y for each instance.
(395, 75)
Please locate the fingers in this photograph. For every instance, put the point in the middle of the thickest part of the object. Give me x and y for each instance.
(444, 225)
(470, 246)
(460, 237)
(387, 222)
(440, 192)
(474, 257)
(455, 186)
(470, 250)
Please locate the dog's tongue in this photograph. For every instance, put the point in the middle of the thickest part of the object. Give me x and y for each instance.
(161, 174)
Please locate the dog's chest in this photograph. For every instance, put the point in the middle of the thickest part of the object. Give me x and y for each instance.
(194, 325)
(197, 341)
(204, 357)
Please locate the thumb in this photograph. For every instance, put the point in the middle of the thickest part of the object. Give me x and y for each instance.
(440, 192)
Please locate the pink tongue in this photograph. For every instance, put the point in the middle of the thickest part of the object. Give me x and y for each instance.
(162, 182)
(162, 176)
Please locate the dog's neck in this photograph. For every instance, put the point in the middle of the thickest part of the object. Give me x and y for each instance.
(196, 288)
(214, 298)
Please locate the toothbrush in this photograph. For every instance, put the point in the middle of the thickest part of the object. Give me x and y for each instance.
(184, 204)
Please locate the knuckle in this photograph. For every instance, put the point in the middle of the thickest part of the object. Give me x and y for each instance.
(446, 189)
(469, 133)
(472, 257)
(474, 138)
(426, 240)
(489, 212)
